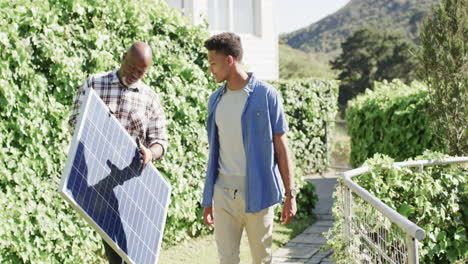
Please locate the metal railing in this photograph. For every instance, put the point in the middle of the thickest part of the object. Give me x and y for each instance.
(376, 233)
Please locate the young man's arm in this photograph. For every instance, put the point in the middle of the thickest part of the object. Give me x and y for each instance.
(208, 216)
(286, 170)
(208, 210)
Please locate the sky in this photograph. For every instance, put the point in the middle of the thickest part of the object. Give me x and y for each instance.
(296, 14)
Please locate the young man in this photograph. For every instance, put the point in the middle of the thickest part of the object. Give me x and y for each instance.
(248, 155)
(133, 103)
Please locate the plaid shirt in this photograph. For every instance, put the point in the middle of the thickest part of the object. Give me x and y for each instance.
(138, 108)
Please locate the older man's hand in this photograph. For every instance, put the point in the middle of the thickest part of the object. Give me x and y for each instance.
(146, 153)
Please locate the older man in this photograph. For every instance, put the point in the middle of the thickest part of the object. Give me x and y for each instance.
(134, 104)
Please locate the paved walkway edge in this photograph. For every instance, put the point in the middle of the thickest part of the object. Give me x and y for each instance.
(308, 247)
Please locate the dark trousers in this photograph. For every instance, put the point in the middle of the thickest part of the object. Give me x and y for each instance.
(112, 256)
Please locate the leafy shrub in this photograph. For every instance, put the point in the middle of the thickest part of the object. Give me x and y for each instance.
(309, 104)
(306, 199)
(435, 200)
(391, 120)
(48, 49)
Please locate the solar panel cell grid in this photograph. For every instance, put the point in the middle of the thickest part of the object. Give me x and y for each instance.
(102, 181)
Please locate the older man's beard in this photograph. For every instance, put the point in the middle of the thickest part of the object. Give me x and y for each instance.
(124, 80)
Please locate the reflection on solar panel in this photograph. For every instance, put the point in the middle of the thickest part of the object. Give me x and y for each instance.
(102, 182)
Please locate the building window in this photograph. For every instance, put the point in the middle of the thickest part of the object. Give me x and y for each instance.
(244, 12)
(218, 15)
(232, 15)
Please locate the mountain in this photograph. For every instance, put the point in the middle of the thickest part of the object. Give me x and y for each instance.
(297, 64)
(326, 35)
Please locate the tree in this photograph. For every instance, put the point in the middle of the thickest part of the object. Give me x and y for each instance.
(444, 60)
(368, 56)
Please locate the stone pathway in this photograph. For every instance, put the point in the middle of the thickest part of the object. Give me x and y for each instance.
(306, 247)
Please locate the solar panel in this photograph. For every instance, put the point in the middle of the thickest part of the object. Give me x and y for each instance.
(102, 182)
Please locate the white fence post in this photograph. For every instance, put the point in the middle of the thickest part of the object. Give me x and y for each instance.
(412, 246)
(347, 211)
(379, 247)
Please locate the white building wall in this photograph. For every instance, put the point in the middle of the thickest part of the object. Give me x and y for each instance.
(261, 48)
(261, 51)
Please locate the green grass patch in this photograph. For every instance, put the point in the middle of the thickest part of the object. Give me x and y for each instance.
(203, 250)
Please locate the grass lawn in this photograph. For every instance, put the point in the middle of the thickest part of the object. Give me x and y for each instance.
(203, 250)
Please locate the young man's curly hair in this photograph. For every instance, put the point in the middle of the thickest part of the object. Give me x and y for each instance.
(227, 44)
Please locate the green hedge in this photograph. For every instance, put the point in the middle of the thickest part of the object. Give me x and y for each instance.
(309, 104)
(48, 49)
(436, 200)
(391, 120)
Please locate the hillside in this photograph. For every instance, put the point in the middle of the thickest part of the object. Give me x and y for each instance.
(296, 63)
(326, 35)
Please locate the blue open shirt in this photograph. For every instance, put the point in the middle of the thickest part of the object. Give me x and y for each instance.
(262, 117)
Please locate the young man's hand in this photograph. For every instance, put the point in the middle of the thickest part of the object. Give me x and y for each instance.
(289, 210)
(208, 216)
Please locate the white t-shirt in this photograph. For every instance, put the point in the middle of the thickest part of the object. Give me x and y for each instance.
(232, 164)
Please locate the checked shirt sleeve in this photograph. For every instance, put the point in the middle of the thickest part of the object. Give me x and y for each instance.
(77, 103)
(157, 133)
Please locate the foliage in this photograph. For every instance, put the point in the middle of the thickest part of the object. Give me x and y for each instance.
(435, 200)
(326, 35)
(296, 64)
(339, 145)
(444, 60)
(48, 49)
(369, 55)
(337, 240)
(308, 105)
(391, 120)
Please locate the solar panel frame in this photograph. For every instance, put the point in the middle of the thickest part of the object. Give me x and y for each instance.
(163, 185)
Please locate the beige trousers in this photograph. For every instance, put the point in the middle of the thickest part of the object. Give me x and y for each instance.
(230, 219)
